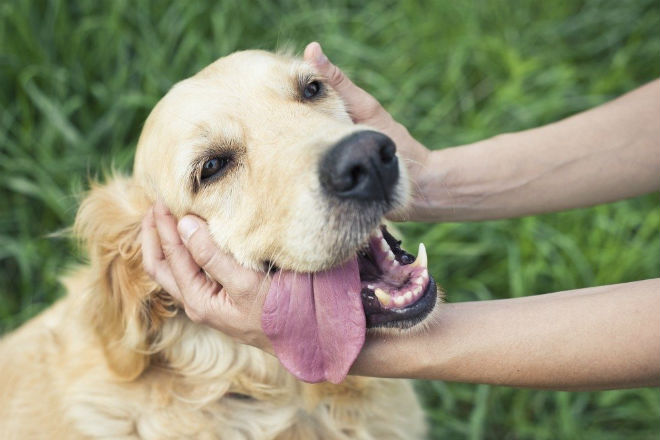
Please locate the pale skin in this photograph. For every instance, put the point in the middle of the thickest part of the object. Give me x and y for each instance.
(602, 337)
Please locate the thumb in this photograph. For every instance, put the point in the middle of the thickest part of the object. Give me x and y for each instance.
(221, 266)
(336, 78)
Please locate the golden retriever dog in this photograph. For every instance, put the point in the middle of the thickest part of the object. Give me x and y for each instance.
(262, 148)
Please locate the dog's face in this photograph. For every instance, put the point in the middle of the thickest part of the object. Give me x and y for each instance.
(242, 143)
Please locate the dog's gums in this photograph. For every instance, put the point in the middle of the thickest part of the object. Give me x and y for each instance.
(397, 290)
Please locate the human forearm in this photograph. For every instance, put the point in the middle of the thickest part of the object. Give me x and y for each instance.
(597, 338)
(601, 155)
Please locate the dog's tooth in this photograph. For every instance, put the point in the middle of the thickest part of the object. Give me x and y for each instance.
(383, 245)
(417, 290)
(390, 255)
(422, 259)
(370, 286)
(399, 300)
(418, 280)
(408, 296)
(384, 297)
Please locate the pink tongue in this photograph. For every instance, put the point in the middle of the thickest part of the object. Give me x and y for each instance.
(316, 322)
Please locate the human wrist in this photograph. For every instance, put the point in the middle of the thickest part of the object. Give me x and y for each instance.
(457, 183)
(412, 354)
(390, 355)
(427, 202)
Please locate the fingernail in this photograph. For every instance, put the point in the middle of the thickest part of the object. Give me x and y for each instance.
(187, 227)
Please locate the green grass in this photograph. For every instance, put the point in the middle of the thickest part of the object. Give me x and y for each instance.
(77, 80)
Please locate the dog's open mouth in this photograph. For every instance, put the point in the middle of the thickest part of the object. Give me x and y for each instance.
(317, 321)
(397, 290)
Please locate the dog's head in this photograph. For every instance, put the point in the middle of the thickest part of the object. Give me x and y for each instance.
(263, 148)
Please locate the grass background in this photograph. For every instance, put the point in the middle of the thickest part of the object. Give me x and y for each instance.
(78, 78)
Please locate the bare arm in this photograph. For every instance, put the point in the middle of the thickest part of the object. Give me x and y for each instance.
(597, 338)
(609, 153)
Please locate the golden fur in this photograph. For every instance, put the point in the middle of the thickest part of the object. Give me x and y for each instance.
(116, 358)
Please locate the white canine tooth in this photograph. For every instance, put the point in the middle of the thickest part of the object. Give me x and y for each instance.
(390, 255)
(408, 296)
(417, 290)
(398, 301)
(425, 275)
(384, 246)
(370, 286)
(418, 280)
(421, 260)
(384, 297)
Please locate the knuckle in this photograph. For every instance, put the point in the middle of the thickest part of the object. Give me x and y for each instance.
(337, 77)
(147, 265)
(372, 106)
(171, 251)
(194, 315)
(168, 251)
(246, 286)
(202, 252)
(149, 269)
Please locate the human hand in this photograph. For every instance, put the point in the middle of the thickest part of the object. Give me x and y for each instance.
(365, 109)
(224, 295)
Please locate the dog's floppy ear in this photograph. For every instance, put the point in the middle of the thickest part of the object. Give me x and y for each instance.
(126, 306)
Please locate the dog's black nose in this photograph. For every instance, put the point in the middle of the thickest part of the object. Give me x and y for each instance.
(362, 166)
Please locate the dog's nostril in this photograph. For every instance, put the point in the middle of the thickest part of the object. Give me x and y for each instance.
(350, 179)
(357, 173)
(387, 153)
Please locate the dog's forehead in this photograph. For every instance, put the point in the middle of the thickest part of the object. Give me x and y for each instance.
(239, 77)
(242, 85)
(252, 65)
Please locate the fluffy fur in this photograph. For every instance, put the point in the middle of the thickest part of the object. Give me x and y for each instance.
(116, 358)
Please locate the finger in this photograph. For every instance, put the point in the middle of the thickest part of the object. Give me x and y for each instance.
(221, 266)
(361, 105)
(153, 259)
(192, 282)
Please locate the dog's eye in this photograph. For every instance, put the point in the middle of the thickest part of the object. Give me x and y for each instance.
(239, 396)
(312, 89)
(213, 166)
